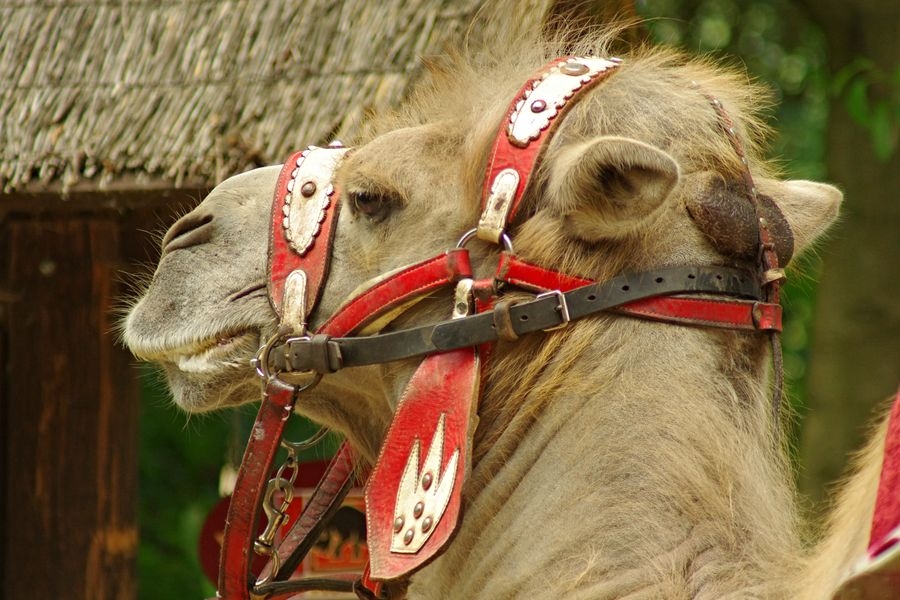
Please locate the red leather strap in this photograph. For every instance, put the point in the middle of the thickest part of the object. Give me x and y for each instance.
(287, 203)
(415, 280)
(510, 153)
(517, 272)
(712, 312)
(730, 314)
(243, 515)
(373, 589)
(887, 505)
(414, 494)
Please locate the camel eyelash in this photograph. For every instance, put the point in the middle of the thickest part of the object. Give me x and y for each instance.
(374, 205)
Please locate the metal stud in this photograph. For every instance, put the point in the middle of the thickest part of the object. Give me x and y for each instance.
(398, 524)
(418, 509)
(538, 106)
(408, 536)
(427, 522)
(574, 69)
(308, 189)
(427, 478)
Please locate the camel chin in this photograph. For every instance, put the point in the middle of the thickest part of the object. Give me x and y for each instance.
(211, 373)
(216, 376)
(225, 385)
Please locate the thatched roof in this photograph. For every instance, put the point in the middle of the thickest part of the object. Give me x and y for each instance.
(193, 91)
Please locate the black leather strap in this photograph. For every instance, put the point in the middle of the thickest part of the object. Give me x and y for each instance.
(535, 315)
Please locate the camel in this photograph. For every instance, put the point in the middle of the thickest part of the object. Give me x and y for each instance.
(614, 458)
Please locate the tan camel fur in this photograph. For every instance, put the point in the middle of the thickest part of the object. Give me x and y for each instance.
(616, 458)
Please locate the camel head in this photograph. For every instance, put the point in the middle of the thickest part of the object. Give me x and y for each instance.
(640, 175)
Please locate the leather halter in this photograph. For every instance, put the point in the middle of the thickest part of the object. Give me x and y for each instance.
(305, 213)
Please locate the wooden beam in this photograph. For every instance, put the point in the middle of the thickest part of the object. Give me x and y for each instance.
(70, 414)
(118, 198)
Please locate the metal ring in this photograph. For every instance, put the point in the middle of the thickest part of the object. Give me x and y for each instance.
(308, 442)
(467, 236)
(260, 362)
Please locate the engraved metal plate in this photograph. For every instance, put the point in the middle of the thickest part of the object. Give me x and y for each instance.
(493, 220)
(543, 101)
(423, 494)
(293, 302)
(309, 193)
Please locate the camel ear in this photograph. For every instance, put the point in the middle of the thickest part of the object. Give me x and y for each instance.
(608, 186)
(809, 207)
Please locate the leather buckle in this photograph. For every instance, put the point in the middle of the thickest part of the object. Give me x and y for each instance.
(316, 352)
(561, 306)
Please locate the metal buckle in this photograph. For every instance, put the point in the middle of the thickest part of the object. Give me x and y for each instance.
(301, 380)
(562, 307)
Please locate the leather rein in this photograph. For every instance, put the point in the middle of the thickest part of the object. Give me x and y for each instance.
(413, 506)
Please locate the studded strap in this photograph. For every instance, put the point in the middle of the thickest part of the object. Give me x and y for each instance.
(530, 122)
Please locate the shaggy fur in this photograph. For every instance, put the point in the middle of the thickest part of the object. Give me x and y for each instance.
(616, 458)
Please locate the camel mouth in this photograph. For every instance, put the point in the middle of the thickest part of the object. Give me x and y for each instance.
(225, 349)
(214, 353)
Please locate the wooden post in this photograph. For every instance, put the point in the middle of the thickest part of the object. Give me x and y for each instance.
(70, 406)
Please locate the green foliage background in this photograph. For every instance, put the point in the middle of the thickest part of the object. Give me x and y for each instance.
(181, 458)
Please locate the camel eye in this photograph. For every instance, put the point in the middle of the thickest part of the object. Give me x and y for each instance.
(373, 205)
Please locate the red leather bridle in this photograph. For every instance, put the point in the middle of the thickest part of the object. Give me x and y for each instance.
(413, 502)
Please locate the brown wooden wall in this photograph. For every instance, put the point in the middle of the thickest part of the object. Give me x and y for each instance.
(70, 399)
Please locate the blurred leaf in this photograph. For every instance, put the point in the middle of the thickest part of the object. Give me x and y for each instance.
(842, 78)
(884, 132)
(857, 101)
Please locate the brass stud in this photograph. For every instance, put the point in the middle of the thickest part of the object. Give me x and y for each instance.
(418, 509)
(428, 478)
(408, 536)
(398, 524)
(308, 189)
(426, 524)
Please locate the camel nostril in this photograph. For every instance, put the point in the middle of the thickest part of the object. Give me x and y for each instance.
(190, 230)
